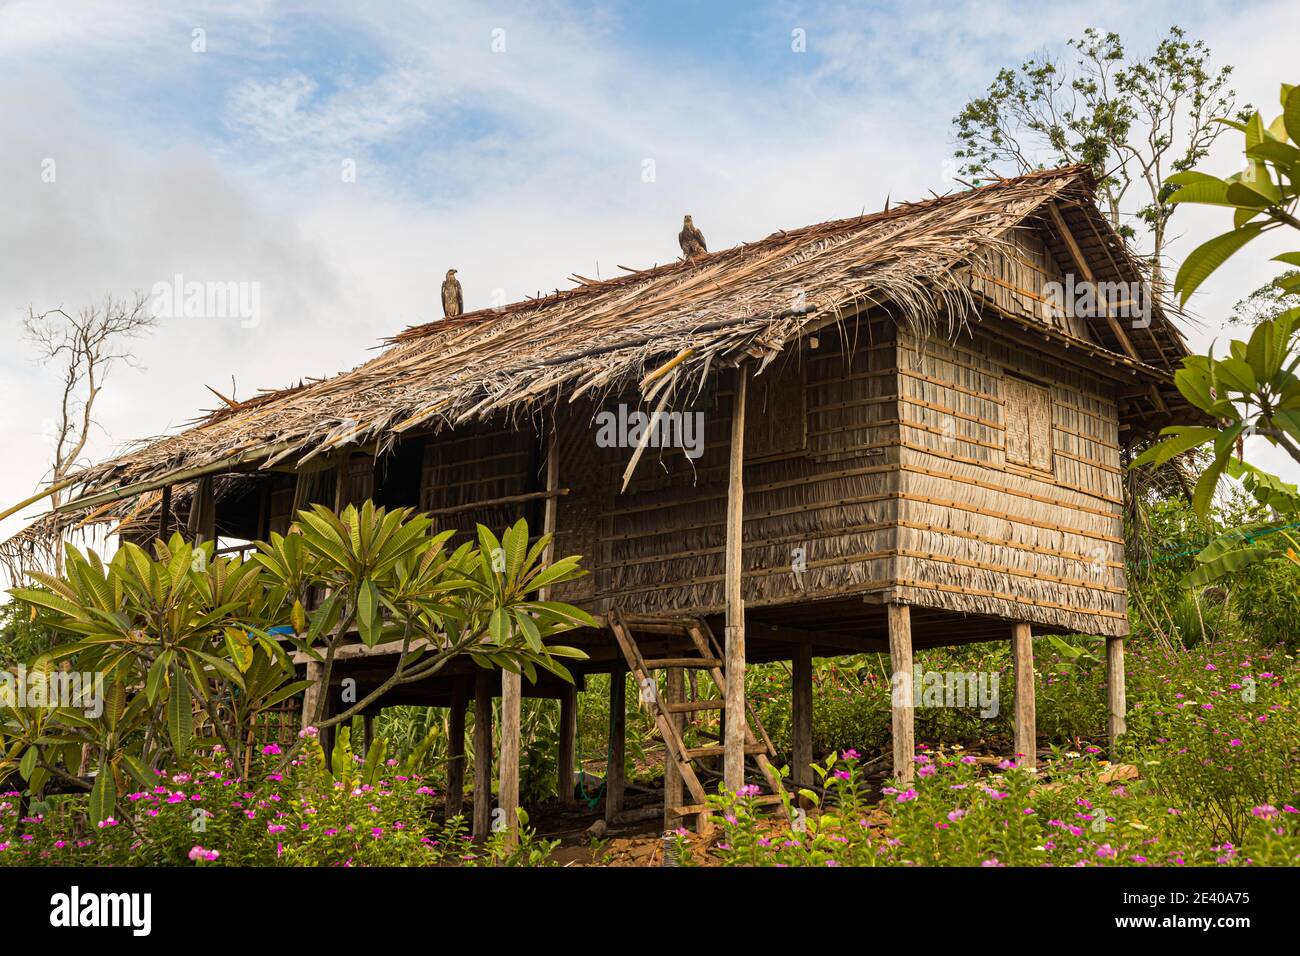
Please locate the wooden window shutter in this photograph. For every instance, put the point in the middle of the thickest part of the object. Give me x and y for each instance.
(1028, 416)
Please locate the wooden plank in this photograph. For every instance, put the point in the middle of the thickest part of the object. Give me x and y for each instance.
(1116, 695)
(1022, 658)
(568, 739)
(614, 773)
(674, 693)
(801, 754)
(508, 788)
(312, 696)
(733, 767)
(482, 755)
(456, 748)
(666, 663)
(902, 708)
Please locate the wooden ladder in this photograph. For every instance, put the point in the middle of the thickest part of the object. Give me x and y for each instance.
(708, 657)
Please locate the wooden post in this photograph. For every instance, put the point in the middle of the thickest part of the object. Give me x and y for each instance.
(456, 749)
(165, 513)
(674, 693)
(733, 760)
(367, 731)
(203, 511)
(617, 742)
(482, 755)
(508, 789)
(902, 705)
(801, 755)
(312, 695)
(1116, 698)
(568, 739)
(1022, 658)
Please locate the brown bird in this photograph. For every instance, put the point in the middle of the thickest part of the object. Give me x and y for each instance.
(453, 300)
(691, 239)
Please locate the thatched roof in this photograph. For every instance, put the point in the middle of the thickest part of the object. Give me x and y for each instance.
(657, 329)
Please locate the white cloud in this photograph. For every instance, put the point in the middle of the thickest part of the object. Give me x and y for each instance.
(518, 167)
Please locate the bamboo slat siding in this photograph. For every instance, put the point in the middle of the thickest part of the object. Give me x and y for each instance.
(1042, 537)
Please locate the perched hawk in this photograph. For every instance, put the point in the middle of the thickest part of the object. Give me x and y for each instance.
(453, 300)
(691, 239)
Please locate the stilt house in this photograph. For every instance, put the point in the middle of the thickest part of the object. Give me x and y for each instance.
(882, 433)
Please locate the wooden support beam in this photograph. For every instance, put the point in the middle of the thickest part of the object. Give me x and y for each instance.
(564, 782)
(903, 708)
(312, 695)
(456, 748)
(1022, 658)
(165, 514)
(203, 511)
(367, 731)
(674, 693)
(508, 789)
(482, 755)
(614, 773)
(1116, 698)
(1081, 263)
(801, 755)
(733, 763)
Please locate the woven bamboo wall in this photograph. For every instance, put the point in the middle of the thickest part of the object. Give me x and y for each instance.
(1015, 278)
(981, 534)
(479, 463)
(820, 479)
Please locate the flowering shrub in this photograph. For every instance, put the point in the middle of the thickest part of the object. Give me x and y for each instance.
(1064, 815)
(295, 815)
(1215, 731)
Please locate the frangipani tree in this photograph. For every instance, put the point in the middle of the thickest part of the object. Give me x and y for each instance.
(189, 645)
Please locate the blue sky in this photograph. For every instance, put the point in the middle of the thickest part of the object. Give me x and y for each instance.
(518, 167)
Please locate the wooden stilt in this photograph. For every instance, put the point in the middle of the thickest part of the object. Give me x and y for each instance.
(568, 738)
(203, 512)
(674, 693)
(456, 749)
(482, 754)
(1022, 657)
(312, 695)
(801, 755)
(165, 514)
(903, 706)
(1116, 697)
(614, 773)
(367, 732)
(508, 789)
(733, 761)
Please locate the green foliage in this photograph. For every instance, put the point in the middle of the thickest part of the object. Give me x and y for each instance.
(1130, 117)
(298, 815)
(183, 640)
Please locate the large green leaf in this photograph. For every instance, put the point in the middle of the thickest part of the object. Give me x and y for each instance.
(1208, 256)
(103, 795)
(180, 712)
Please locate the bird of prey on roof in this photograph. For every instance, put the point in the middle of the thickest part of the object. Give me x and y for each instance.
(453, 300)
(691, 239)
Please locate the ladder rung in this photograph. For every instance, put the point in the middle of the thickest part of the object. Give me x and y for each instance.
(659, 663)
(718, 751)
(691, 706)
(767, 799)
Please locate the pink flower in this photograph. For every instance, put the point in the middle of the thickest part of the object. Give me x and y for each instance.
(275, 828)
(271, 749)
(905, 796)
(309, 733)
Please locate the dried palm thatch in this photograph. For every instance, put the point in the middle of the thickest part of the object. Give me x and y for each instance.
(663, 329)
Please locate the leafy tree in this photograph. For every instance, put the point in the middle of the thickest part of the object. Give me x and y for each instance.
(191, 645)
(1254, 390)
(1134, 119)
